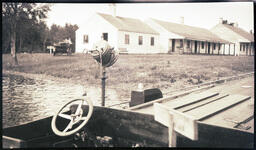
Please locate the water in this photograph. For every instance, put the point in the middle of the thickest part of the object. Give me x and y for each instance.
(25, 99)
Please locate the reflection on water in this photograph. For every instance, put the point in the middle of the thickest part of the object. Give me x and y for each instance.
(26, 99)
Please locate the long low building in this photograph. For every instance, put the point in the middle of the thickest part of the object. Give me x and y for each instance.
(244, 41)
(130, 35)
(180, 38)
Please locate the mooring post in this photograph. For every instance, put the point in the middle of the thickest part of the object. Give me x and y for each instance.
(103, 78)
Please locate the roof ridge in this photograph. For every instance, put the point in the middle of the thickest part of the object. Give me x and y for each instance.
(180, 24)
(128, 24)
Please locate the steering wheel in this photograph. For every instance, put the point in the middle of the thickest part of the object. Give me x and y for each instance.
(74, 118)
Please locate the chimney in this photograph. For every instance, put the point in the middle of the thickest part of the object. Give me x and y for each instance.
(220, 20)
(236, 24)
(113, 9)
(181, 20)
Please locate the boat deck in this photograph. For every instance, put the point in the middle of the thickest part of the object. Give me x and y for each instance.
(228, 105)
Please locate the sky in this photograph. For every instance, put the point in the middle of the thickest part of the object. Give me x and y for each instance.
(204, 15)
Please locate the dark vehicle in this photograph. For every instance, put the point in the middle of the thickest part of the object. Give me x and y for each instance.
(62, 47)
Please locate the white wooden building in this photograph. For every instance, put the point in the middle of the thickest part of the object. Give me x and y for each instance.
(128, 35)
(244, 41)
(180, 38)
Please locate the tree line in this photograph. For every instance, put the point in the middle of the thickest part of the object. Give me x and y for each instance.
(24, 29)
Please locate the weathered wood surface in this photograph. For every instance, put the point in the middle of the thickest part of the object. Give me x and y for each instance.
(133, 128)
(10, 142)
(180, 122)
(166, 99)
(217, 106)
(180, 101)
(222, 109)
(143, 130)
(190, 99)
(201, 103)
(138, 128)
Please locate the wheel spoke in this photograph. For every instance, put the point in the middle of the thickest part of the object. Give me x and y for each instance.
(65, 116)
(69, 126)
(83, 118)
(78, 108)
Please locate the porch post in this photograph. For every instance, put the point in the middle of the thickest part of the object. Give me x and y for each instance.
(246, 49)
(228, 49)
(205, 47)
(219, 48)
(250, 49)
(223, 53)
(199, 45)
(234, 49)
(183, 46)
(212, 47)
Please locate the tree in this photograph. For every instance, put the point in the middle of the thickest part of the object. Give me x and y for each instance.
(17, 15)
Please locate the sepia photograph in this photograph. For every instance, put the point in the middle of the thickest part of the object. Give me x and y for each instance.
(134, 74)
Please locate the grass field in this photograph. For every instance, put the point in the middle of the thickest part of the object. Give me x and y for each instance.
(167, 72)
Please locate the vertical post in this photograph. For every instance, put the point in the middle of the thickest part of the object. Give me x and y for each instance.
(103, 78)
(212, 47)
(172, 133)
(219, 48)
(199, 46)
(205, 48)
(191, 48)
(183, 46)
(250, 49)
(234, 49)
(228, 49)
(224, 50)
(103, 86)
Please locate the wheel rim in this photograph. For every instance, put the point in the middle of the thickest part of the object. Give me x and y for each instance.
(77, 118)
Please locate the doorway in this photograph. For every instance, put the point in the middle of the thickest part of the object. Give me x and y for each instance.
(195, 47)
(173, 45)
(209, 47)
(105, 36)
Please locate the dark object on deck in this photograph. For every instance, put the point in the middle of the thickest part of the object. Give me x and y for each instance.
(140, 97)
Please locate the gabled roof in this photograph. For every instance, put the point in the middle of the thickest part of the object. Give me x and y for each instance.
(128, 24)
(240, 32)
(189, 32)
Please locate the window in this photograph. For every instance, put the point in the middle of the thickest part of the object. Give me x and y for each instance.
(243, 47)
(247, 46)
(188, 44)
(105, 36)
(219, 46)
(214, 46)
(127, 39)
(152, 41)
(140, 40)
(86, 39)
(202, 45)
(181, 43)
(240, 47)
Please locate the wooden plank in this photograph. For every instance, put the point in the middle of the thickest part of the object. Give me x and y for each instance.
(183, 124)
(168, 98)
(161, 114)
(10, 142)
(190, 99)
(201, 103)
(172, 134)
(205, 111)
(232, 116)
